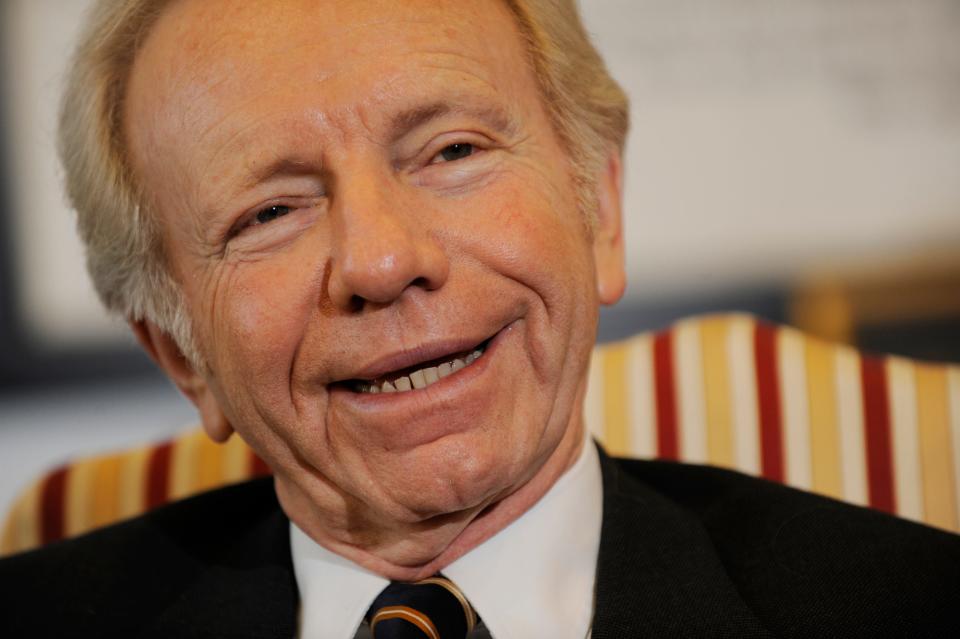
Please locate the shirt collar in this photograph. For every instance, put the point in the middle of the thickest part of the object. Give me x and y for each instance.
(535, 578)
(334, 592)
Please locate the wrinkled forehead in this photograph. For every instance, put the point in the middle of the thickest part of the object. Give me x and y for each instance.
(204, 59)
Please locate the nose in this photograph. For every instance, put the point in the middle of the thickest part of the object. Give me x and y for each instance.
(382, 246)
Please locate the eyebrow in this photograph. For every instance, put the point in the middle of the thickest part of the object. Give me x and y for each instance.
(279, 167)
(409, 119)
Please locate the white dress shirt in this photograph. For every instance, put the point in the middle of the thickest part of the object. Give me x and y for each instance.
(535, 578)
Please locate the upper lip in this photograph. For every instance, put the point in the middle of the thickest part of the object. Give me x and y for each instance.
(408, 358)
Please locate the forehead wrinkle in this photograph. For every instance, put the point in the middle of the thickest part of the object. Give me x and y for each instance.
(474, 95)
(259, 137)
(238, 108)
(197, 88)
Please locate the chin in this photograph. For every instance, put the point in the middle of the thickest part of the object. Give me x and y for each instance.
(457, 479)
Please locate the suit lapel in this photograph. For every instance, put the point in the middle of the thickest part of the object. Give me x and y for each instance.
(247, 592)
(657, 572)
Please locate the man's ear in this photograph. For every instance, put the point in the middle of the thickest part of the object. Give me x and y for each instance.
(165, 352)
(608, 249)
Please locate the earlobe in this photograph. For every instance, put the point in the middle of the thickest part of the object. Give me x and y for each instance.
(215, 423)
(165, 352)
(608, 248)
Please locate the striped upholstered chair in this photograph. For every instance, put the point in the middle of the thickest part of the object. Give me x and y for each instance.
(726, 390)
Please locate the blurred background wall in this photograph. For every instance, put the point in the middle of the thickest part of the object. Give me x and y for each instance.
(799, 159)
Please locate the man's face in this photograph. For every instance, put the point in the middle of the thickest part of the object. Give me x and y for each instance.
(352, 192)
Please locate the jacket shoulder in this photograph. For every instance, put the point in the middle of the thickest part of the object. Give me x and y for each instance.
(120, 579)
(804, 562)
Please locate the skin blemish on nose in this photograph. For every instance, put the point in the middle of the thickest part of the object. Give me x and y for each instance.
(387, 263)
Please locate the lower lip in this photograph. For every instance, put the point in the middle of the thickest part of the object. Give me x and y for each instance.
(442, 391)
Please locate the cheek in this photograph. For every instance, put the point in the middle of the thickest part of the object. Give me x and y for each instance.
(534, 242)
(539, 238)
(258, 321)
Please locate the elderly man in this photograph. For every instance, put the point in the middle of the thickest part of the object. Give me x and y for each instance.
(370, 238)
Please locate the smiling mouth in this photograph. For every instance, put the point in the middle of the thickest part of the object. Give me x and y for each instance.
(419, 375)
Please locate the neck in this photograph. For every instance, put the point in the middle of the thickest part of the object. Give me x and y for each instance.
(412, 552)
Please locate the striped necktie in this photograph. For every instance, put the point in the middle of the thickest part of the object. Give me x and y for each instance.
(433, 608)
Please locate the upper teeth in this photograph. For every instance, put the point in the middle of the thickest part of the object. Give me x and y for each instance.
(421, 378)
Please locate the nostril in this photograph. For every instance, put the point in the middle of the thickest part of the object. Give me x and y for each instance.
(355, 304)
(421, 282)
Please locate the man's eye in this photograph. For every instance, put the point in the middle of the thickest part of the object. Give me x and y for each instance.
(456, 152)
(271, 213)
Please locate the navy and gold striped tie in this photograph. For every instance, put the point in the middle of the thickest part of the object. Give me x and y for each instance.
(432, 608)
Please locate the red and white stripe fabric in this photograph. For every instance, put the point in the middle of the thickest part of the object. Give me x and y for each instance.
(735, 392)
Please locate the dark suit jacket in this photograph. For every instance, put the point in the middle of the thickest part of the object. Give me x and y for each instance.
(685, 551)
